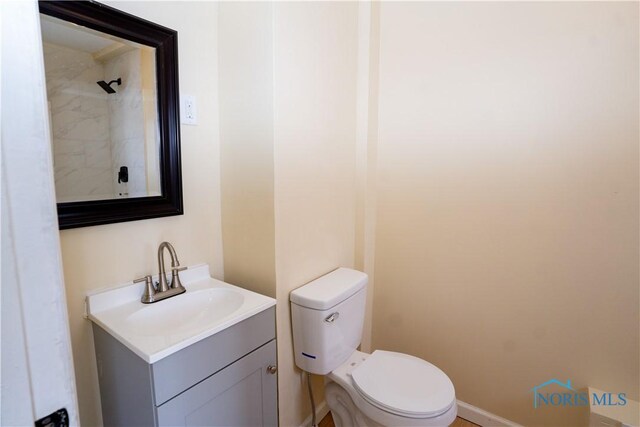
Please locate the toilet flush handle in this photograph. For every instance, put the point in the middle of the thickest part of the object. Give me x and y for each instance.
(332, 317)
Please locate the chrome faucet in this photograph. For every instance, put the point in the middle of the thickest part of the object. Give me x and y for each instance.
(175, 267)
(163, 290)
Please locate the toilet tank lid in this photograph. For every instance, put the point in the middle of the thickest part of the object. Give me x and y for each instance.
(330, 289)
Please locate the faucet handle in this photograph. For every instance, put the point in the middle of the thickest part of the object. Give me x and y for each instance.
(149, 290)
(175, 277)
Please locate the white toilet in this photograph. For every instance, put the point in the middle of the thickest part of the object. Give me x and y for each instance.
(380, 389)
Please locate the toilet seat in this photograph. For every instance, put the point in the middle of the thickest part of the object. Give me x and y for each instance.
(403, 385)
(377, 413)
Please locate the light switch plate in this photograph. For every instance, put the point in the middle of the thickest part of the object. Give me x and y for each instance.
(188, 110)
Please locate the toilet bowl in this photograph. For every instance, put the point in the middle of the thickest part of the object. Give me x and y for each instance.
(384, 388)
(389, 389)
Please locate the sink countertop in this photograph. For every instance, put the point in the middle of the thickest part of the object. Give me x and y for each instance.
(155, 331)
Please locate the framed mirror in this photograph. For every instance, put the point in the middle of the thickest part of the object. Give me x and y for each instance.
(112, 91)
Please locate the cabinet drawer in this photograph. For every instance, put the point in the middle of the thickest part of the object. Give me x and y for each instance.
(176, 373)
(243, 394)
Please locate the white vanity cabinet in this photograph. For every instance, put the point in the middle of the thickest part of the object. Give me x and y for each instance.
(226, 379)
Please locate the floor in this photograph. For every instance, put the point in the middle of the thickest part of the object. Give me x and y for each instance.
(459, 422)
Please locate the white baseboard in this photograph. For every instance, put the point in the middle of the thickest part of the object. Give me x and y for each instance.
(482, 417)
(466, 411)
(321, 411)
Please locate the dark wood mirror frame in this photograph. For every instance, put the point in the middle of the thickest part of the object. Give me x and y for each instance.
(112, 21)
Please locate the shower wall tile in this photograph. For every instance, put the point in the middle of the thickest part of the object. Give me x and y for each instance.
(93, 183)
(68, 146)
(95, 133)
(98, 154)
(127, 122)
(68, 160)
(79, 124)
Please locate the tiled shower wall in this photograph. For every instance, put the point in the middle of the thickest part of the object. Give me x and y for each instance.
(127, 122)
(95, 133)
(80, 125)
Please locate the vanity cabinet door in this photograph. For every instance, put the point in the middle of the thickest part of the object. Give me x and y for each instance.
(243, 394)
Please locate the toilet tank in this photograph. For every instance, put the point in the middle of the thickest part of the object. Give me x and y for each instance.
(327, 316)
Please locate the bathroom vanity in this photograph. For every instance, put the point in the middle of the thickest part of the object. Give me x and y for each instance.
(205, 357)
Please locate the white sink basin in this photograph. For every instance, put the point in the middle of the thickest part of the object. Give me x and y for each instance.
(154, 331)
(185, 312)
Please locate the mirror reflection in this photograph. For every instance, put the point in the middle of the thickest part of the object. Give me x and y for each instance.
(102, 96)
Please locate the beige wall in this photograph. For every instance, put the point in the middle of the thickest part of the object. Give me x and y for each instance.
(96, 257)
(507, 214)
(287, 84)
(315, 52)
(366, 152)
(245, 51)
